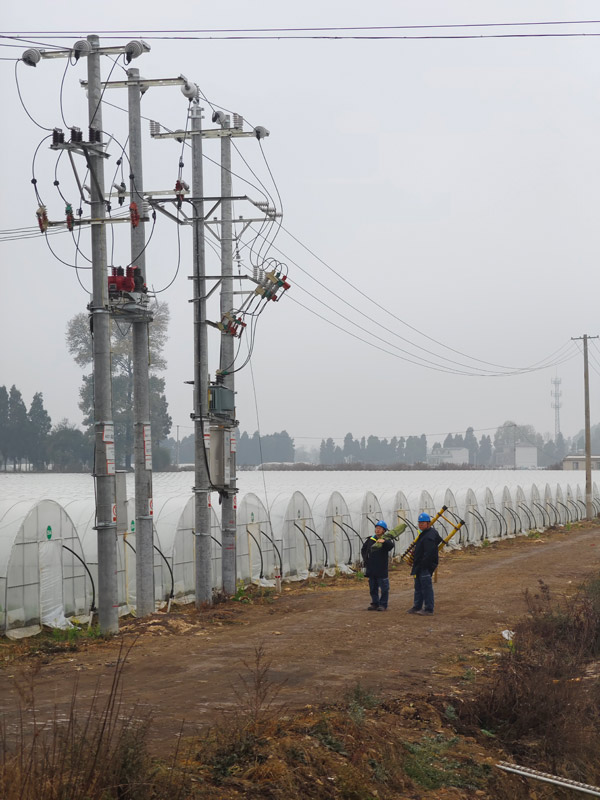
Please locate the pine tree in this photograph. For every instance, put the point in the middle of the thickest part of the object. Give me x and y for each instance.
(18, 427)
(3, 425)
(39, 428)
(79, 344)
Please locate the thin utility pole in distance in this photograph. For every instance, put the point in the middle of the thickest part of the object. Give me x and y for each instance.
(589, 506)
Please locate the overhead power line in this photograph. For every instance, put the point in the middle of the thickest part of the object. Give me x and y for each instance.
(551, 360)
(306, 28)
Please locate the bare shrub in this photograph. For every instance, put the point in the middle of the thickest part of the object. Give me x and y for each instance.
(541, 701)
(237, 745)
(94, 754)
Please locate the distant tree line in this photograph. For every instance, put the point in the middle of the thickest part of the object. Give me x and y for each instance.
(400, 452)
(482, 453)
(29, 440)
(27, 437)
(251, 450)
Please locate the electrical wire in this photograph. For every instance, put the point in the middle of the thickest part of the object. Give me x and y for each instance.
(468, 369)
(278, 196)
(172, 281)
(433, 367)
(104, 88)
(322, 29)
(60, 95)
(380, 307)
(591, 357)
(35, 122)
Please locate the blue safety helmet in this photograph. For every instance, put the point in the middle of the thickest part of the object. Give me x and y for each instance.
(424, 518)
(381, 524)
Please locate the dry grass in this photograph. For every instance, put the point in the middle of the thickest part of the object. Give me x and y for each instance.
(543, 700)
(92, 753)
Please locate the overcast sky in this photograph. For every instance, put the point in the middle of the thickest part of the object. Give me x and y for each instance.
(451, 186)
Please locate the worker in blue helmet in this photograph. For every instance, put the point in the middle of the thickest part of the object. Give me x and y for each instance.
(425, 561)
(375, 555)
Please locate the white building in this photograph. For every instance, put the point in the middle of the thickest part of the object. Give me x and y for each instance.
(518, 456)
(578, 462)
(448, 455)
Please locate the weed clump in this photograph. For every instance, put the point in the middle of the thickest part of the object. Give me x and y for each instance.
(98, 753)
(543, 700)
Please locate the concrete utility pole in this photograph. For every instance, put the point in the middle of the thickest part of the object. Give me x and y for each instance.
(228, 507)
(93, 150)
(144, 534)
(104, 459)
(214, 404)
(200, 415)
(589, 505)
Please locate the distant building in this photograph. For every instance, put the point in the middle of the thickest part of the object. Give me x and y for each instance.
(448, 455)
(519, 456)
(578, 462)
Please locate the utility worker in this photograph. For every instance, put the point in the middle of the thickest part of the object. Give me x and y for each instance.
(425, 561)
(375, 555)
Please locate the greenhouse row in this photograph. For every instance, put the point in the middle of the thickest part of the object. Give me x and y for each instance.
(49, 560)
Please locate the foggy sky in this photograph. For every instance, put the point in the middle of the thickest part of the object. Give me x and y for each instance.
(455, 183)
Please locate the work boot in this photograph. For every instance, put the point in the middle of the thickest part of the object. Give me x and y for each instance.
(413, 611)
(381, 608)
(424, 612)
(372, 608)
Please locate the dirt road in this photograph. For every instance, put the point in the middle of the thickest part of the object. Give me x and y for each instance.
(319, 640)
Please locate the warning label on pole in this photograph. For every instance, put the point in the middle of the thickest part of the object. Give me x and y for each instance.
(110, 458)
(147, 447)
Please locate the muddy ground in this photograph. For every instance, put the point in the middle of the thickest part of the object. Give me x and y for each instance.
(318, 637)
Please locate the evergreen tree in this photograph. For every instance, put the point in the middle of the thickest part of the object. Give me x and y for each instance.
(414, 450)
(326, 452)
(351, 449)
(79, 344)
(561, 448)
(18, 428)
(40, 425)
(422, 449)
(470, 443)
(4, 427)
(485, 451)
(69, 449)
(123, 412)
(547, 457)
(400, 451)
(278, 447)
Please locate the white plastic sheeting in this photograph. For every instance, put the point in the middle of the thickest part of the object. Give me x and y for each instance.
(293, 526)
(42, 577)
(365, 510)
(511, 517)
(52, 611)
(257, 555)
(300, 533)
(450, 518)
(396, 509)
(335, 531)
(174, 524)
